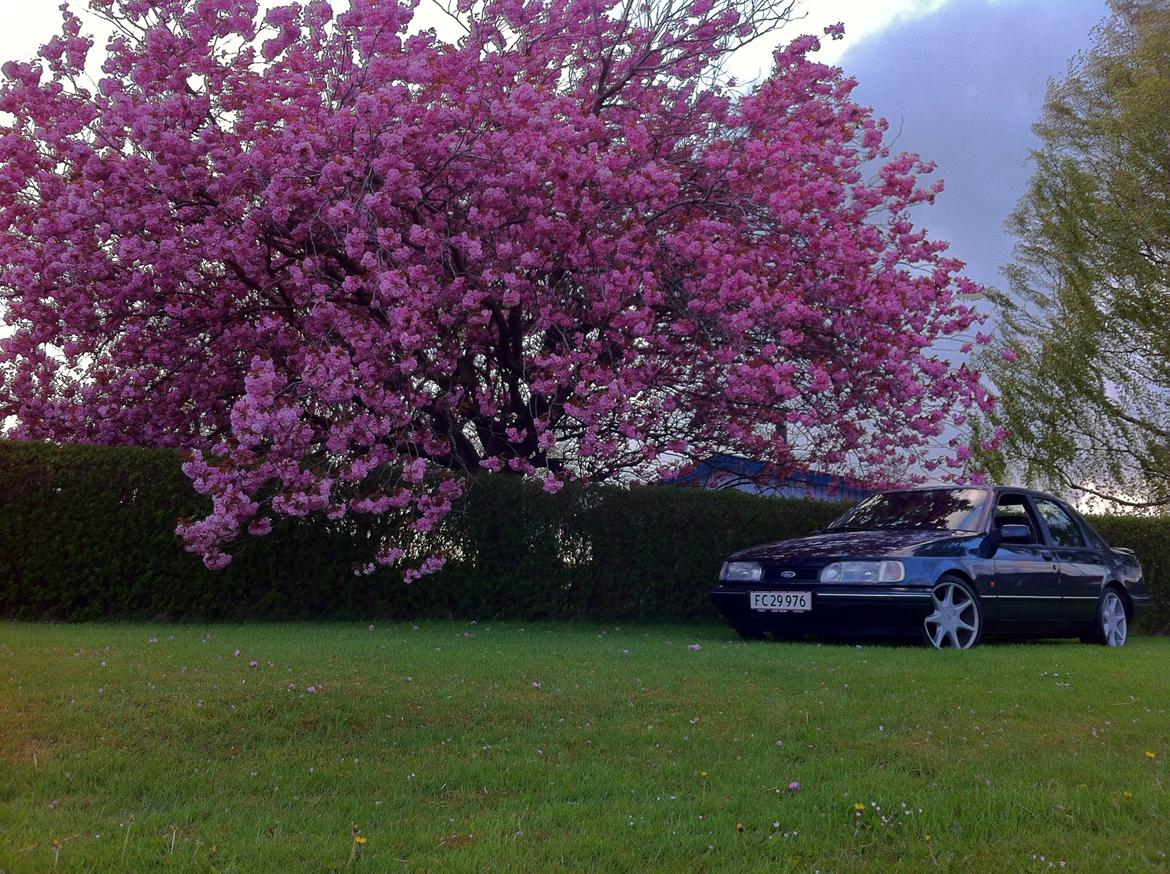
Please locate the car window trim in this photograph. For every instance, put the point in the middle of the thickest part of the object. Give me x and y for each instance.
(1044, 520)
(1045, 534)
(1093, 540)
(1037, 519)
(990, 502)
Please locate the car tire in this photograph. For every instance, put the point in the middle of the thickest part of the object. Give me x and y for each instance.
(1111, 621)
(955, 620)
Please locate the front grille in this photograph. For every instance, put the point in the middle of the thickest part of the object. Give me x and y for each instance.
(800, 573)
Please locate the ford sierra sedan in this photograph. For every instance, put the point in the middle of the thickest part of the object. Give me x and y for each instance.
(946, 564)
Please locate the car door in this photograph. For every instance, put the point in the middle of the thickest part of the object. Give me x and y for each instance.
(1027, 575)
(1082, 566)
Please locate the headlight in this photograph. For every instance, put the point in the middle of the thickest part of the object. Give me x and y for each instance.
(741, 572)
(864, 572)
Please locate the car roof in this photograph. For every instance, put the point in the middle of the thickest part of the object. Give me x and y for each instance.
(991, 487)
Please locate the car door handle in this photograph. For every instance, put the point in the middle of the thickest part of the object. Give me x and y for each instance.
(1047, 556)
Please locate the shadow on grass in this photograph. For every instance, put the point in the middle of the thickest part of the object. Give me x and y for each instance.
(896, 641)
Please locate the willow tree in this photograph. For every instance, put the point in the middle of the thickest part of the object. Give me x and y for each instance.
(1084, 373)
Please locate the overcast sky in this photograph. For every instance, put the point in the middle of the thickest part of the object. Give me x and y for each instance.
(964, 85)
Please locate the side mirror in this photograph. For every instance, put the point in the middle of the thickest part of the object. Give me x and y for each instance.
(1015, 534)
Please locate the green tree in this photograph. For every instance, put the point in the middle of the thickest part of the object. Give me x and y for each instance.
(1084, 369)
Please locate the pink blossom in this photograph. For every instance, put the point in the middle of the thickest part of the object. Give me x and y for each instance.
(342, 276)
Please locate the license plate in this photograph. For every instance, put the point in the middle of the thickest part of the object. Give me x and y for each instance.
(782, 602)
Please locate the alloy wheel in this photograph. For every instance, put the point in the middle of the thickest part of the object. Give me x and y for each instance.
(1114, 627)
(954, 620)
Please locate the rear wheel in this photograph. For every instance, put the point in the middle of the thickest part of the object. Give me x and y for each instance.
(1111, 624)
(955, 620)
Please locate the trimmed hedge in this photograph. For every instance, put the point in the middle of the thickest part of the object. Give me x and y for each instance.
(88, 532)
(1150, 539)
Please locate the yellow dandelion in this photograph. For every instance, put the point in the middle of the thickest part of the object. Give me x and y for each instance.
(360, 841)
(1127, 795)
(739, 826)
(704, 774)
(1150, 755)
(858, 806)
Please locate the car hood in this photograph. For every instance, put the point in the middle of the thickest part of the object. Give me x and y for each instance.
(848, 544)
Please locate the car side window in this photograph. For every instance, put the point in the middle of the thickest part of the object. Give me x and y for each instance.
(1014, 510)
(1064, 530)
(1093, 536)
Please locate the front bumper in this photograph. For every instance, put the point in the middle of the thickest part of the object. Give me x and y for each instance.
(837, 609)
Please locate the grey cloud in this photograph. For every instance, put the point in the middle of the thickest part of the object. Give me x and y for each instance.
(962, 87)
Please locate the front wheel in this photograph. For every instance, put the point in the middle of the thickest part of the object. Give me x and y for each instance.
(1111, 625)
(955, 620)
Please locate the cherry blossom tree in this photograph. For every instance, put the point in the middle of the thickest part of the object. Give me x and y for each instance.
(342, 262)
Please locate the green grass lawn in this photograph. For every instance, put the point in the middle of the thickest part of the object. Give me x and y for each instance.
(501, 747)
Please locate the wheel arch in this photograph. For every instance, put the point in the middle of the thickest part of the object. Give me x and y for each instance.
(962, 574)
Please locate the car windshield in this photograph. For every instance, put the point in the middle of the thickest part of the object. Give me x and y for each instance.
(953, 509)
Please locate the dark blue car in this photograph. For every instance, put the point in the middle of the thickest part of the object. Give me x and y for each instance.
(946, 564)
